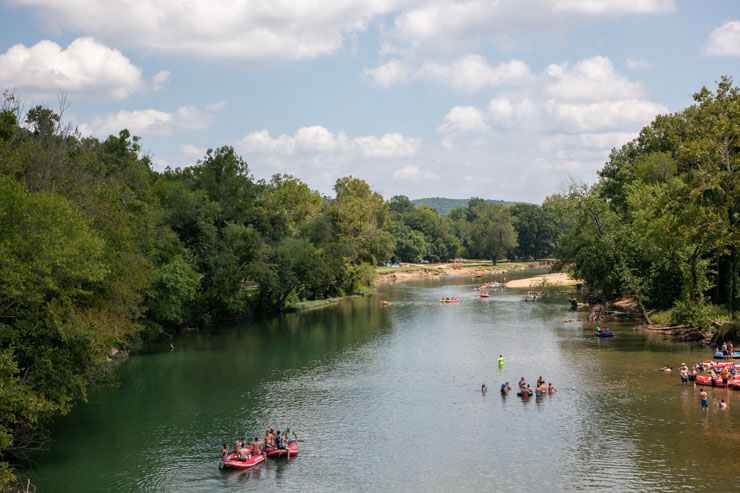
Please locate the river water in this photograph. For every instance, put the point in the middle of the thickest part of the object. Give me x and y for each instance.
(388, 399)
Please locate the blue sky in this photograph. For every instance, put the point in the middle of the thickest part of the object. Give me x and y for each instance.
(502, 99)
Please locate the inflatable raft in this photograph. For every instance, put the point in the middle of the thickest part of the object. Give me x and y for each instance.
(232, 461)
(290, 451)
(735, 354)
(720, 365)
(604, 334)
(706, 381)
(449, 301)
(734, 384)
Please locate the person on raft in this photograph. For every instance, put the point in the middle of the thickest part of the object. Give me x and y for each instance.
(290, 436)
(256, 446)
(483, 388)
(269, 441)
(505, 388)
(279, 440)
(598, 329)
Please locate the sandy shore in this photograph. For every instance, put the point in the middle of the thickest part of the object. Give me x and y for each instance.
(559, 279)
(434, 271)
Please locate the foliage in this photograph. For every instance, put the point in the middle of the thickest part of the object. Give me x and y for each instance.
(662, 222)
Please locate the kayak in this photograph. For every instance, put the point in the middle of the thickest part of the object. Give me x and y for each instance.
(603, 334)
(735, 354)
(450, 301)
(232, 461)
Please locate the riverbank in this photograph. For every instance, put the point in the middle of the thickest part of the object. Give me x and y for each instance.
(477, 269)
(556, 279)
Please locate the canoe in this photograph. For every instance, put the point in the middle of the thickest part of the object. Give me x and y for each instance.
(735, 354)
(603, 334)
(707, 381)
(232, 462)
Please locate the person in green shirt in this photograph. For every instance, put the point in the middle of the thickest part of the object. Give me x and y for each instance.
(500, 361)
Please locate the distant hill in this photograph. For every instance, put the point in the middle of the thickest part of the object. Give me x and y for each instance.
(444, 205)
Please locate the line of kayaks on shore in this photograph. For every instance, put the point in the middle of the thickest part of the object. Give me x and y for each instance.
(232, 460)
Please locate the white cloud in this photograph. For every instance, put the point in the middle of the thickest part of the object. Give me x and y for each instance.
(444, 24)
(148, 122)
(464, 119)
(411, 171)
(606, 115)
(390, 73)
(724, 40)
(160, 79)
(591, 79)
(252, 30)
(389, 145)
(513, 111)
(564, 120)
(85, 69)
(217, 106)
(192, 151)
(319, 140)
(637, 63)
(468, 73)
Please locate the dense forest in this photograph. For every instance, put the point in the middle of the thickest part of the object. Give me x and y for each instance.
(443, 205)
(662, 224)
(98, 250)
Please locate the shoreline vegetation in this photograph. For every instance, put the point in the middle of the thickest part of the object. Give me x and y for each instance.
(99, 250)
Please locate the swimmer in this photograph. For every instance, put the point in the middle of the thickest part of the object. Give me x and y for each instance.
(522, 383)
(483, 388)
(704, 399)
(224, 451)
(505, 388)
(551, 389)
(723, 404)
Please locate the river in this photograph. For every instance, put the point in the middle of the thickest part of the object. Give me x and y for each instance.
(388, 399)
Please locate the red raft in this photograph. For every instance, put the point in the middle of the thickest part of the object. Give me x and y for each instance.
(291, 451)
(707, 381)
(232, 461)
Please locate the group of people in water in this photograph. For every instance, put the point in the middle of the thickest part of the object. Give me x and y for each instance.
(272, 440)
(525, 390)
